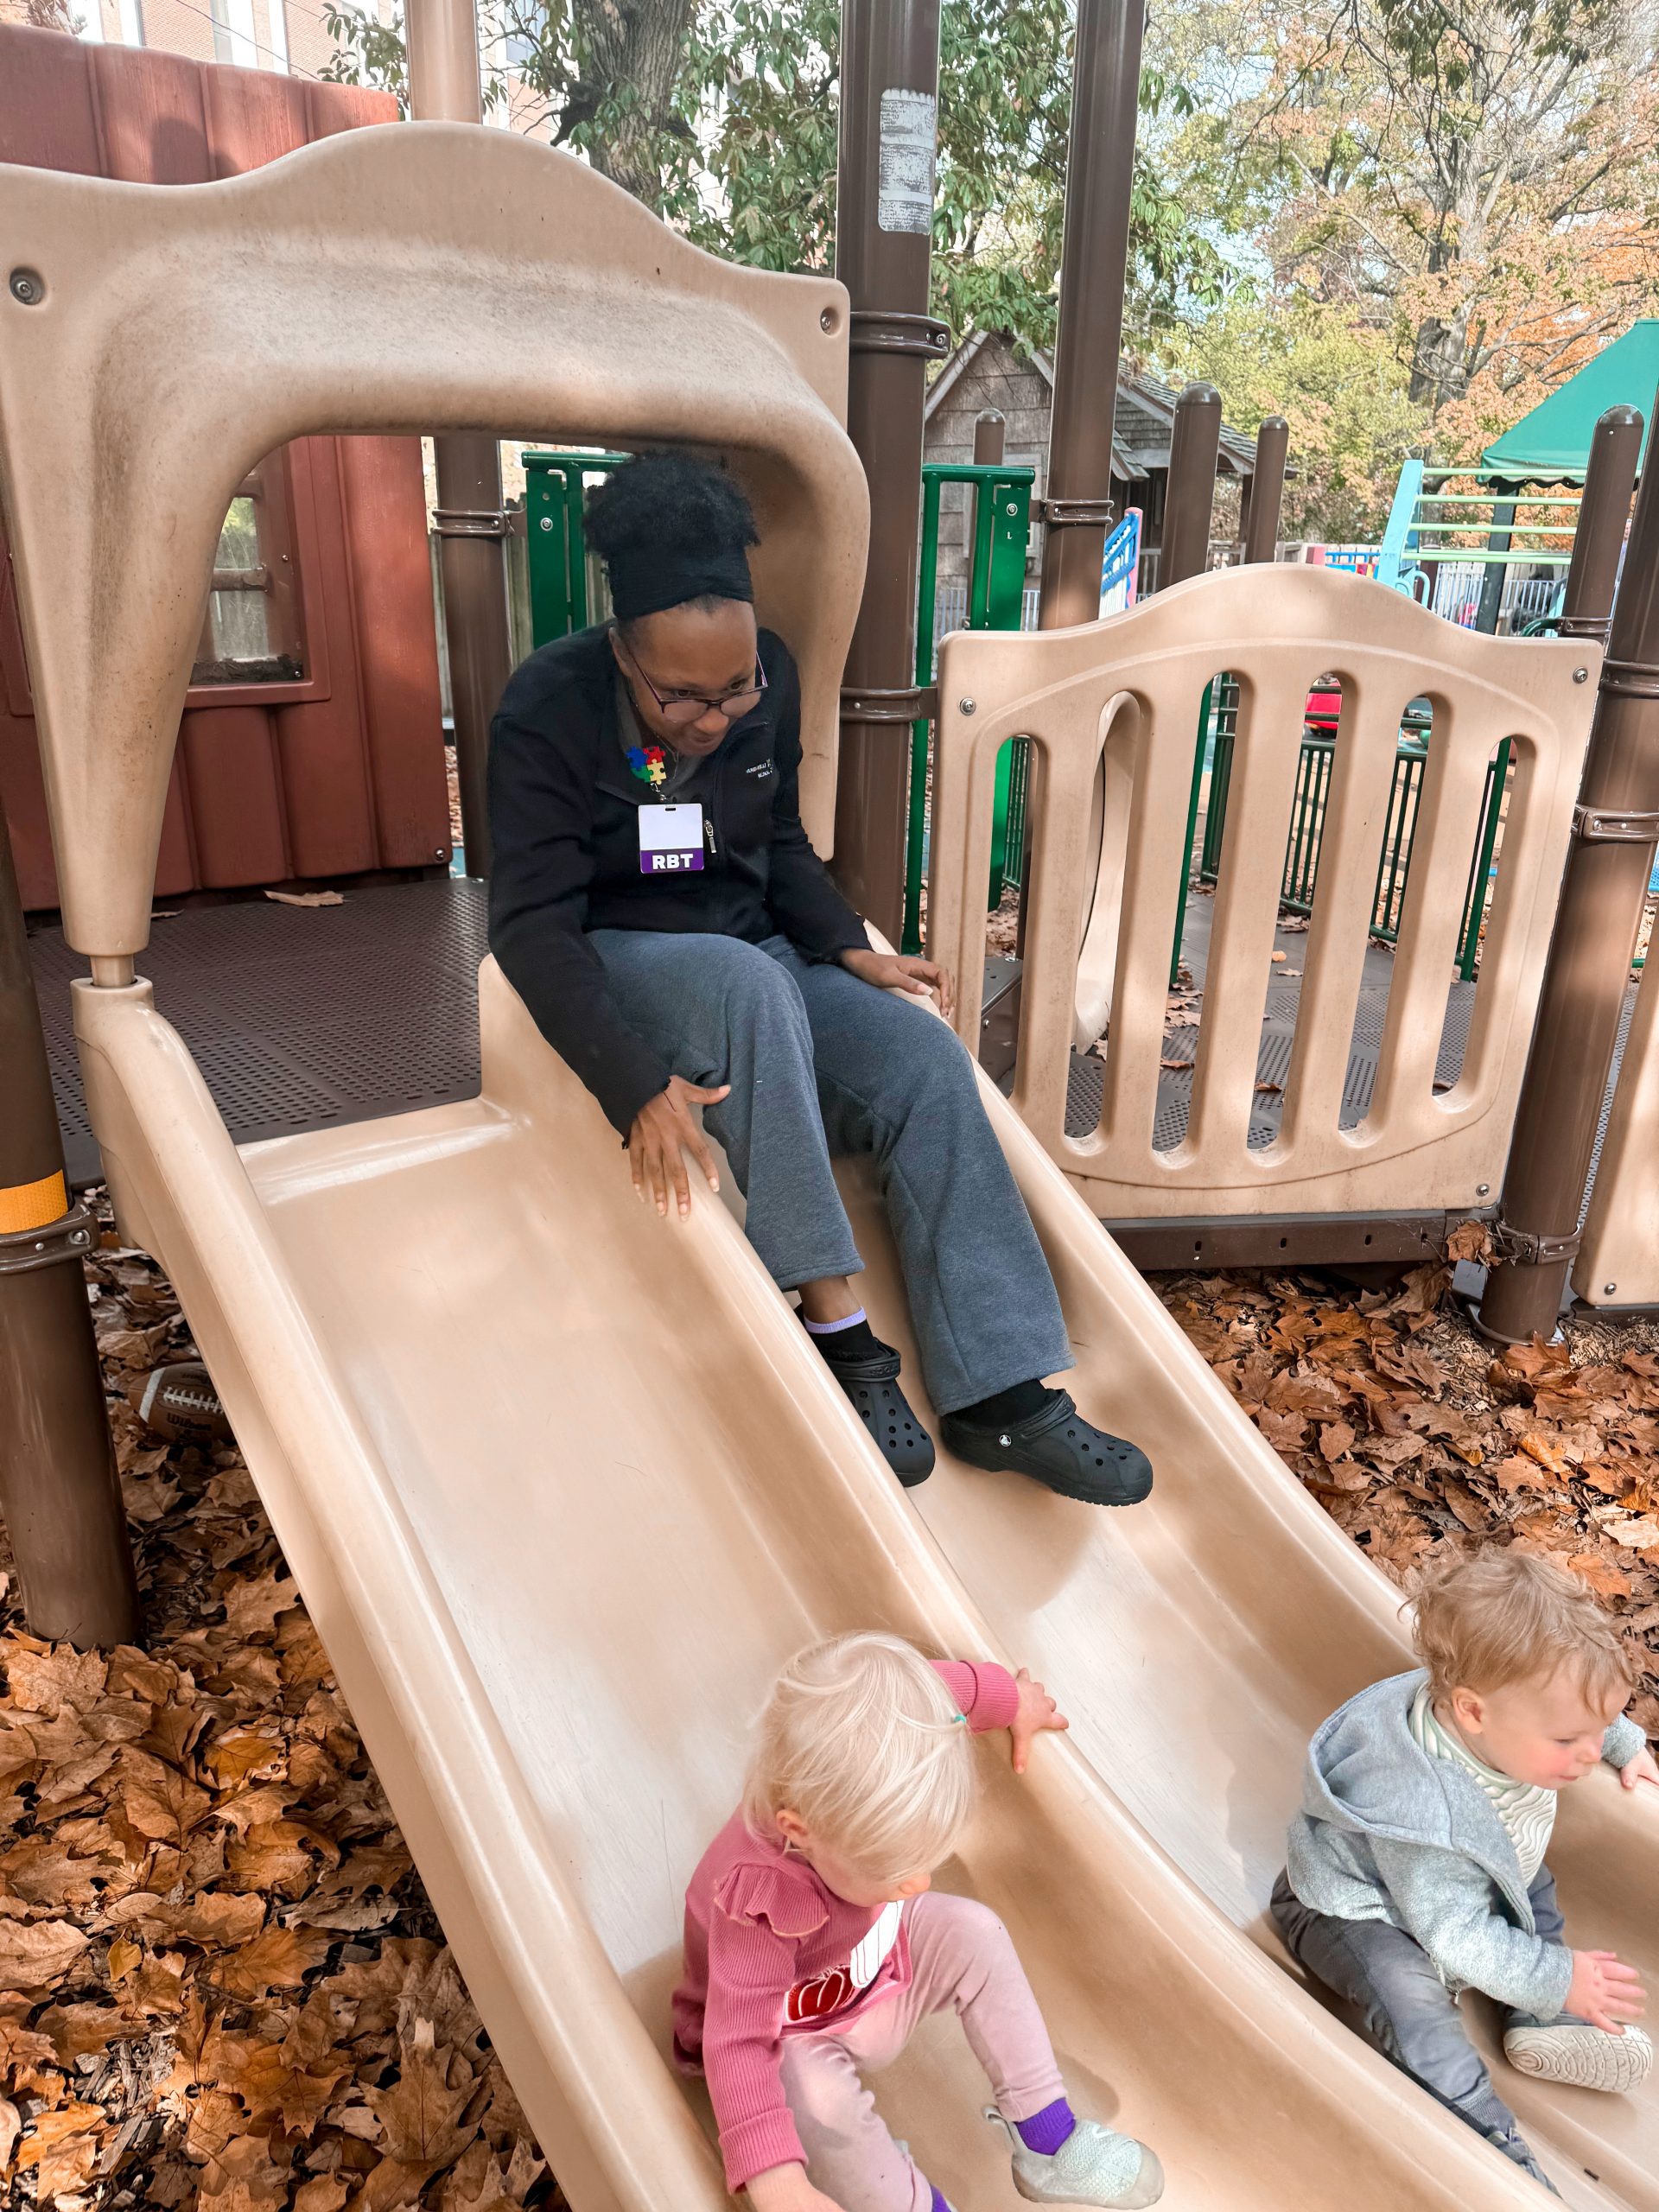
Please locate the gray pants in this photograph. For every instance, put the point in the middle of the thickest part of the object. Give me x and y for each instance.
(820, 1064)
(1414, 2019)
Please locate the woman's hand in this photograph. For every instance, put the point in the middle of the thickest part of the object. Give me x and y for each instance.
(1036, 1712)
(664, 1125)
(899, 971)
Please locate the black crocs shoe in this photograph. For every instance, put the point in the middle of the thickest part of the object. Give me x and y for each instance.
(1057, 1448)
(872, 1383)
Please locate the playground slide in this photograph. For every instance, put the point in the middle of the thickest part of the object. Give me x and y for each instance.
(562, 1483)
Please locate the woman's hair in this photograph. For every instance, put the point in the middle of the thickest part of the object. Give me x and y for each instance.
(862, 1740)
(672, 531)
(1508, 1616)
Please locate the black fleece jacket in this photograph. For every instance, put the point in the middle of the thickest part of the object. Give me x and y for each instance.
(563, 808)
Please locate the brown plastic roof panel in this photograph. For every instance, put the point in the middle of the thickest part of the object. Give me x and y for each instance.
(524, 293)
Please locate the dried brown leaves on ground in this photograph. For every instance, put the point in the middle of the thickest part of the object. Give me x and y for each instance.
(1420, 1439)
(220, 1983)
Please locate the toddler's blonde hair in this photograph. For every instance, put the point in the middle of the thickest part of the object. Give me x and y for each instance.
(861, 1739)
(1507, 1616)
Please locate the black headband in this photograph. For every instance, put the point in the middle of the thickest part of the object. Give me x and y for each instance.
(647, 578)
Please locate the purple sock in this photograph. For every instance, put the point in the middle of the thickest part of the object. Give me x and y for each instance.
(1045, 2131)
(833, 1328)
(939, 2203)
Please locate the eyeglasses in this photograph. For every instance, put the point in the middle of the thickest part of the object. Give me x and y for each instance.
(686, 707)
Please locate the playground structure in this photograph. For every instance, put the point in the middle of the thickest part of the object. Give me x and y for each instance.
(339, 1284)
(372, 1298)
(1118, 704)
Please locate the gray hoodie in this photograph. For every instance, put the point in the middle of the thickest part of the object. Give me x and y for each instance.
(1387, 1833)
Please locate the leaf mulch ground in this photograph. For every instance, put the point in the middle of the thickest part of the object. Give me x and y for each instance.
(1422, 1440)
(221, 1985)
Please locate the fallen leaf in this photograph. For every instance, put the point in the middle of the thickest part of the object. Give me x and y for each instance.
(76, 2029)
(307, 898)
(49, 2128)
(212, 1920)
(1175, 1064)
(34, 1955)
(326, 2193)
(417, 2116)
(252, 1605)
(1274, 1087)
(279, 1959)
(1603, 1577)
(1277, 956)
(244, 2176)
(1547, 1455)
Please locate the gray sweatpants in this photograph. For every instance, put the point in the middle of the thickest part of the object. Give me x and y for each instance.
(1408, 2010)
(820, 1064)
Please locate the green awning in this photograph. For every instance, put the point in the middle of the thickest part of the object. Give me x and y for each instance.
(1552, 444)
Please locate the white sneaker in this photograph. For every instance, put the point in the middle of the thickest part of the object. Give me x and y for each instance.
(1582, 2056)
(1094, 2165)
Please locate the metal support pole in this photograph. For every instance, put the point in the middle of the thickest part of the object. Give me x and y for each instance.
(1077, 509)
(1499, 539)
(1094, 253)
(990, 429)
(471, 527)
(1609, 864)
(889, 99)
(1265, 489)
(1191, 498)
(1603, 513)
(58, 1486)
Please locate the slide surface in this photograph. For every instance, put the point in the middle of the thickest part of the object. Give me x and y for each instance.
(563, 1484)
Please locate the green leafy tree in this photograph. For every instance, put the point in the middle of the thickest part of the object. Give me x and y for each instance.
(721, 115)
(1479, 176)
(1340, 384)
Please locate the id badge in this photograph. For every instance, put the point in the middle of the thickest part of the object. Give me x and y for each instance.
(671, 839)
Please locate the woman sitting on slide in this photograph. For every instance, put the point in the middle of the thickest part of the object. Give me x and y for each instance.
(656, 905)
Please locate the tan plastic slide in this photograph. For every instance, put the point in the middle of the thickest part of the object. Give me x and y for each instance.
(563, 1482)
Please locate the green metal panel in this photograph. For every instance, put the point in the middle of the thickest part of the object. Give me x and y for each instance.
(555, 544)
(996, 586)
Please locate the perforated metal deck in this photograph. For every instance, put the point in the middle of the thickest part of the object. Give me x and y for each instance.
(299, 1017)
(1282, 999)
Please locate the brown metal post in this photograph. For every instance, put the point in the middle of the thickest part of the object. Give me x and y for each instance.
(889, 89)
(1094, 255)
(1603, 891)
(58, 1486)
(990, 429)
(1265, 489)
(1190, 496)
(1603, 512)
(472, 528)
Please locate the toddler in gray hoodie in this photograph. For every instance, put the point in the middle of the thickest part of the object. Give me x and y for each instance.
(1416, 1864)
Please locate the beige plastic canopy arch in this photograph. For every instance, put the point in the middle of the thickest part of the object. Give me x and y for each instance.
(555, 1580)
(378, 281)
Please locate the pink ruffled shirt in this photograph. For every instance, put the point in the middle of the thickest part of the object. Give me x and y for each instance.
(770, 1951)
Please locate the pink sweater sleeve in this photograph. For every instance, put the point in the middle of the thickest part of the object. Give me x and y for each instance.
(987, 1694)
(751, 1972)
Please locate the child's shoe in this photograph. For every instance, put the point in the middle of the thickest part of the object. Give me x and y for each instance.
(1094, 2165)
(1582, 2056)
